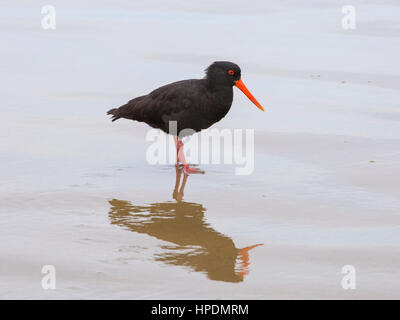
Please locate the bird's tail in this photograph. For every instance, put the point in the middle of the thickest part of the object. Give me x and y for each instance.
(114, 113)
(127, 111)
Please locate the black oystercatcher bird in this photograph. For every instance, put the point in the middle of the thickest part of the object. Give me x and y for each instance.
(194, 104)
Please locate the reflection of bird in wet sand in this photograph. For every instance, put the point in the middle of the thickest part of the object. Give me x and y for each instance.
(195, 243)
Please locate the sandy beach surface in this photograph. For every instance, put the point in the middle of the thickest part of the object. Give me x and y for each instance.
(77, 192)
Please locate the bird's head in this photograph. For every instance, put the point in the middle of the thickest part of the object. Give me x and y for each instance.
(229, 73)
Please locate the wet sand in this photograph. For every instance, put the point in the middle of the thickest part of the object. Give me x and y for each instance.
(77, 192)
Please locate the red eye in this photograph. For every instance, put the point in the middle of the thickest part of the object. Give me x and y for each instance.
(231, 72)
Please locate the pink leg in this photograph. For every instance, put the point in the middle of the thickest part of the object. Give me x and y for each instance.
(181, 158)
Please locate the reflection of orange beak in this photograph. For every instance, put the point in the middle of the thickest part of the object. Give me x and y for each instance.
(243, 255)
(246, 91)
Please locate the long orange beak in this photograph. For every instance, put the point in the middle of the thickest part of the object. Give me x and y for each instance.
(246, 91)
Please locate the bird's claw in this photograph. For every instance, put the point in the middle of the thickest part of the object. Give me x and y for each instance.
(188, 170)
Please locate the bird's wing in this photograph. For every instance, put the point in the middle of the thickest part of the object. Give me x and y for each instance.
(169, 102)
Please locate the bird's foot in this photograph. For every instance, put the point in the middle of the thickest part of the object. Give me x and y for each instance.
(188, 170)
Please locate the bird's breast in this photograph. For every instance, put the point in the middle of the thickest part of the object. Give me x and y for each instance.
(220, 103)
(212, 108)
